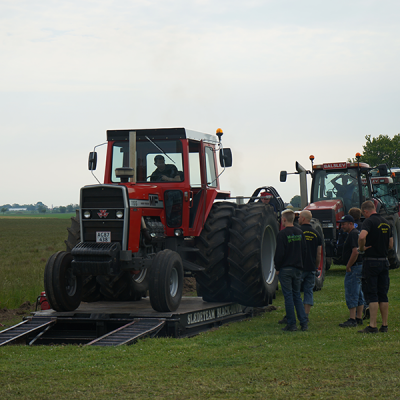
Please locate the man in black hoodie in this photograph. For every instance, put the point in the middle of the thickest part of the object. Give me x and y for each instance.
(290, 255)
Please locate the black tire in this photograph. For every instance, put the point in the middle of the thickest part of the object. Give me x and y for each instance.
(394, 254)
(115, 287)
(74, 233)
(251, 258)
(90, 287)
(63, 288)
(213, 283)
(166, 281)
(319, 280)
(328, 263)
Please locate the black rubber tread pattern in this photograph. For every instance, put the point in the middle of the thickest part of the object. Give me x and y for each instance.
(90, 288)
(328, 263)
(55, 285)
(159, 281)
(245, 269)
(213, 284)
(394, 254)
(116, 288)
(319, 280)
(74, 233)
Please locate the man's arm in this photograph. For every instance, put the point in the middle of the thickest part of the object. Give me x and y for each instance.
(391, 243)
(352, 259)
(362, 239)
(318, 260)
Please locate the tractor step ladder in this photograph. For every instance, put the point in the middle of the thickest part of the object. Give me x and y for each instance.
(129, 333)
(24, 329)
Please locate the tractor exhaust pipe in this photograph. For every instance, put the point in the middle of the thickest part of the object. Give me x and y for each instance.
(303, 184)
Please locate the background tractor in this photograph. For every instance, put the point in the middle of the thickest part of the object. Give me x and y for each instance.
(160, 216)
(337, 187)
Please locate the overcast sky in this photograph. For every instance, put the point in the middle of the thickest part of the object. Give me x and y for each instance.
(283, 78)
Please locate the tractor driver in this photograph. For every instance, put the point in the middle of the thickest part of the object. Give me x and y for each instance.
(164, 172)
(345, 189)
(266, 198)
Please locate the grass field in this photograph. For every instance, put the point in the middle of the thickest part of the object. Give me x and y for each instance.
(252, 359)
(25, 246)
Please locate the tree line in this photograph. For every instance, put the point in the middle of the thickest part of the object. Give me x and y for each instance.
(39, 207)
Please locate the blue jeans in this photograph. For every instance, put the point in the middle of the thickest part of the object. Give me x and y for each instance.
(353, 287)
(308, 279)
(290, 279)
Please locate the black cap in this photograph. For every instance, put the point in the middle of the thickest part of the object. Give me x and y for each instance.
(347, 218)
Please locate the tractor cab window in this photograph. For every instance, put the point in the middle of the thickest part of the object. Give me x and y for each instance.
(156, 161)
(341, 185)
(388, 194)
(210, 167)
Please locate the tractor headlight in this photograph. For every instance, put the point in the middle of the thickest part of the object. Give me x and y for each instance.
(120, 214)
(86, 214)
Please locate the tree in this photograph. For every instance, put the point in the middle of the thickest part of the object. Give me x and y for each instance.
(3, 210)
(42, 209)
(382, 150)
(295, 201)
(62, 209)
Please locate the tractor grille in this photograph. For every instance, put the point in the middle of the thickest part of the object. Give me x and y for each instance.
(103, 202)
(328, 222)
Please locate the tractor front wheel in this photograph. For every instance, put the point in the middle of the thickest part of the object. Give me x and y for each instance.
(166, 281)
(63, 288)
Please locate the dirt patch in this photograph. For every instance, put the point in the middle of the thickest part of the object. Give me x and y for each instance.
(23, 310)
(189, 286)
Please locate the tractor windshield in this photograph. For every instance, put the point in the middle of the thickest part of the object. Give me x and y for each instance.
(334, 184)
(156, 161)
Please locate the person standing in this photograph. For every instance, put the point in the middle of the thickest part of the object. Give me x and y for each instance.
(352, 281)
(290, 256)
(314, 248)
(374, 242)
(356, 214)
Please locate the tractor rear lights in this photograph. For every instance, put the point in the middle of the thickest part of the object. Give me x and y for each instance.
(119, 214)
(86, 214)
(178, 232)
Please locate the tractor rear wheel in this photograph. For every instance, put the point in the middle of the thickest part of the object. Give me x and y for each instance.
(63, 288)
(213, 283)
(319, 280)
(252, 246)
(166, 281)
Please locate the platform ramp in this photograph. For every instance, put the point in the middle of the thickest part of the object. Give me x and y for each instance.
(129, 333)
(25, 328)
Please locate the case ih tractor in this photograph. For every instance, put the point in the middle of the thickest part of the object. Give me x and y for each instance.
(337, 187)
(159, 217)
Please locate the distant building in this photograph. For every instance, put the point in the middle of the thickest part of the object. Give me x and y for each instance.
(18, 209)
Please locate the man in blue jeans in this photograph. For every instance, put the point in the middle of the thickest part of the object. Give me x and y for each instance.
(352, 281)
(290, 256)
(314, 249)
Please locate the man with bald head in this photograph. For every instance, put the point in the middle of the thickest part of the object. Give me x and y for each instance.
(314, 249)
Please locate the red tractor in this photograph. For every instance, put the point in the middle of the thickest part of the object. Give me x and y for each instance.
(159, 217)
(337, 187)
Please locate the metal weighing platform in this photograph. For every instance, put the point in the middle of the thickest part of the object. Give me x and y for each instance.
(118, 323)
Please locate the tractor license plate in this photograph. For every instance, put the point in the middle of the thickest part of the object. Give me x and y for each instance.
(103, 237)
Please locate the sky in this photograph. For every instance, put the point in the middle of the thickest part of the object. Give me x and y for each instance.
(283, 78)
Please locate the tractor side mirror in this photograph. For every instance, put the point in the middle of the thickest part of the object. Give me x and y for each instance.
(225, 158)
(383, 170)
(283, 176)
(92, 160)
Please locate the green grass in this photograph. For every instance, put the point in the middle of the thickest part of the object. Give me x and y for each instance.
(25, 246)
(252, 359)
(38, 216)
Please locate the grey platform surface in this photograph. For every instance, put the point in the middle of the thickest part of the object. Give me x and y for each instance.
(140, 308)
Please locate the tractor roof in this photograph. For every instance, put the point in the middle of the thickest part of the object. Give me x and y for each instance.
(342, 166)
(161, 134)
